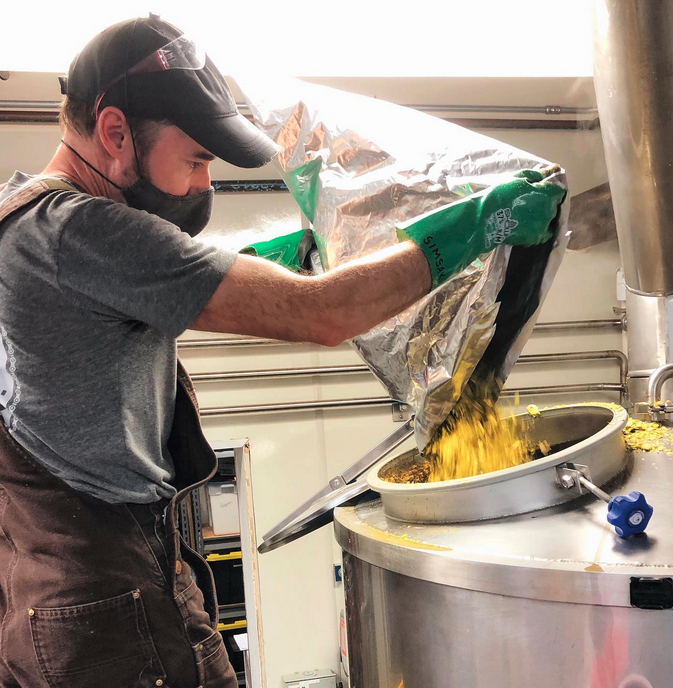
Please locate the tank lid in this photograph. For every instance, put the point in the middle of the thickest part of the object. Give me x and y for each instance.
(318, 510)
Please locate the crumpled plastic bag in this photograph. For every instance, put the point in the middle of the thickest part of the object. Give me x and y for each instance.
(358, 167)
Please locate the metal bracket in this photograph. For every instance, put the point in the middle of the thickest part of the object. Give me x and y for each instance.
(183, 522)
(198, 544)
(568, 476)
(659, 413)
(641, 408)
(337, 483)
(401, 412)
(576, 475)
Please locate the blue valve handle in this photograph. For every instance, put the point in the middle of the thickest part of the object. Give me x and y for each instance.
(629, 514)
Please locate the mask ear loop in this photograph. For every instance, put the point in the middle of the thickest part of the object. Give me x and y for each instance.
(126, 98)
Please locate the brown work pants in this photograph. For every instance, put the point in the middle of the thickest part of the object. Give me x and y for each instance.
(105, 595)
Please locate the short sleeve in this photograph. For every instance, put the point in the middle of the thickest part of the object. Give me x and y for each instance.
(137, 265)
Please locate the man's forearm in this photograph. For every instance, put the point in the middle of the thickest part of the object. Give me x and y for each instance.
(262, 299)
(363, 293)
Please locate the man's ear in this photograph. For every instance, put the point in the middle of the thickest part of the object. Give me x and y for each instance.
(114, 133)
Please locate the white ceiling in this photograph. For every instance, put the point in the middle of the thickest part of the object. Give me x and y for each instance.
(324, 38)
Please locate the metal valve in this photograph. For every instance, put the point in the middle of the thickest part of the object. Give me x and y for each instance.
(629, 514)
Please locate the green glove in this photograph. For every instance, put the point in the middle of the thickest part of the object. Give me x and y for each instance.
(518, 212)
(288, 250)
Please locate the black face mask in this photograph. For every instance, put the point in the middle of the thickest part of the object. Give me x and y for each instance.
(189, 213)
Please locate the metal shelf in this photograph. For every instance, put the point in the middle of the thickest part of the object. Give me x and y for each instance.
(231, 611)
(217, 543)
(209, 535)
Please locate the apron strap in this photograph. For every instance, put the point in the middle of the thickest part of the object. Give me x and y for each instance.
(31, 192)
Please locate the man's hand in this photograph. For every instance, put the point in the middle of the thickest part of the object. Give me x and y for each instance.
(518, 212)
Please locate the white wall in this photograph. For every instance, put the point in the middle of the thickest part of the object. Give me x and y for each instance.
(294, 454)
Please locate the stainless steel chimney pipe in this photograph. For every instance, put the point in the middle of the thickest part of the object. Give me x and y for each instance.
(633, 78)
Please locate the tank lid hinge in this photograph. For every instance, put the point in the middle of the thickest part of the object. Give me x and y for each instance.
(402, 412)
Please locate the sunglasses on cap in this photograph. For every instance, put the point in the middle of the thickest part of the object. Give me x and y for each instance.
(180, 53)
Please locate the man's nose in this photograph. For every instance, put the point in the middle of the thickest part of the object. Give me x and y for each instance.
(201, 183)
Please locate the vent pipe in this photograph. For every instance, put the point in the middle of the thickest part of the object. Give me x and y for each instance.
(633, 77)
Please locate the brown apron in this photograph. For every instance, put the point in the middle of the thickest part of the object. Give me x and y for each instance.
(98, 594)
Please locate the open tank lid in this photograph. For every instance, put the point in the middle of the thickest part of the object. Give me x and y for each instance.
(351, 483)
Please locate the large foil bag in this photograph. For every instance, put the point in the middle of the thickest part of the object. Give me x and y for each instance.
(358, 167)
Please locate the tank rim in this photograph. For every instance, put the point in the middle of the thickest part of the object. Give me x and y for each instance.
(616, 424)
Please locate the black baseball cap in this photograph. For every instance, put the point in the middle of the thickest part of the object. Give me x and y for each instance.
(198, 101)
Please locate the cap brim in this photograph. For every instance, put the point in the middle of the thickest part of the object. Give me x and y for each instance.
(232, 138)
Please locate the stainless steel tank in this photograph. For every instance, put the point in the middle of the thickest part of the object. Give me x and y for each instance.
(550, 597)
(512, 579)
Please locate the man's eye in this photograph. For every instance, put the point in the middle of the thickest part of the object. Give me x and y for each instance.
(196, 165)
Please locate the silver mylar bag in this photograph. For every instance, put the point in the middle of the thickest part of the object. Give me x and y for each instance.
(358, 167)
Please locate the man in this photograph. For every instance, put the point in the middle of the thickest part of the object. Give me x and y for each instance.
(100, 275)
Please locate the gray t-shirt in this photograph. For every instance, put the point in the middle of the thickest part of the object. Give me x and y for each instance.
(92, 297)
